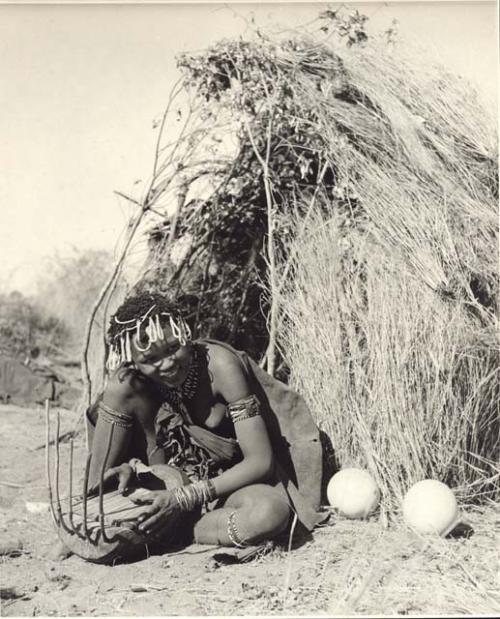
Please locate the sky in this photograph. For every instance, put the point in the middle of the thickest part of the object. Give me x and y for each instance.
(82, 84)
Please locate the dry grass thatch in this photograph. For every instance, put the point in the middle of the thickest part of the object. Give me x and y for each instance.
(389, 324)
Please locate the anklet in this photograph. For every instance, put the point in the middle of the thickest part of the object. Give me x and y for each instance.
(233, 533)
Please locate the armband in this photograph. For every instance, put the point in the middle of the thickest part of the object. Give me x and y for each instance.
(244, 409)
(110, 415)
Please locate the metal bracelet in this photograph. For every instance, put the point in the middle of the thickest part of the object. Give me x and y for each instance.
(192, 495)
(182, 499)
(211, 492)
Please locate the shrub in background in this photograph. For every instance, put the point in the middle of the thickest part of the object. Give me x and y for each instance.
(24, 325)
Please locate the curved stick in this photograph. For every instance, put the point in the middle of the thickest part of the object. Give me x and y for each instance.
(57, 467)
(85, 493)
(101, 482)
(47, 461)
(56, 442)
(70, 498)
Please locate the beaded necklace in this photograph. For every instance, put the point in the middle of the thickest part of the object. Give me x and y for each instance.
(190, 384)
(175, 396)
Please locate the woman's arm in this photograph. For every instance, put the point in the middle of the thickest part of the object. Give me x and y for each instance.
(232, 384)
(125, 403)
(120, 441)
(257, 463)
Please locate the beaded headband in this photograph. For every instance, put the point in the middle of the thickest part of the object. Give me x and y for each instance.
(120, 350)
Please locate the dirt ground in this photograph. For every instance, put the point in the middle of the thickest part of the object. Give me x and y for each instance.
(349, 567)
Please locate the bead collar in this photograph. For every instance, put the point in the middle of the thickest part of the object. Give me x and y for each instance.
(187, 390)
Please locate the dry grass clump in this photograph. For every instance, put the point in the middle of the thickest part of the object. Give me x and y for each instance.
(389, 323)
(388, 367)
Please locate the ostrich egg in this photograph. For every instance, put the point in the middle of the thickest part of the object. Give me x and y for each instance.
(353, 492)
(430, 507)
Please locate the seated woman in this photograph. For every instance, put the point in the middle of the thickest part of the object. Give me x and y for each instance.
(246, 441)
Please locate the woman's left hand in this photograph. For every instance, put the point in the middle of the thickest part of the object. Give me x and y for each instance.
(163, 504)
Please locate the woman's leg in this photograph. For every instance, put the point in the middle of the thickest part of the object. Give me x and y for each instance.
(249, 515)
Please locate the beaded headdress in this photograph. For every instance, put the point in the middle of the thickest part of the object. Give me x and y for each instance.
(120, 349)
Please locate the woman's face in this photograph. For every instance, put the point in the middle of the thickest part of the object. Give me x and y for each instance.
(166, 361)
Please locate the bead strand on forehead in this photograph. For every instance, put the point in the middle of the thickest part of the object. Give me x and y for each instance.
(120, 350)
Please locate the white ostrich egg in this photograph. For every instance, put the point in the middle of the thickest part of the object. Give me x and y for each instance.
(430, 507)
(353, 492)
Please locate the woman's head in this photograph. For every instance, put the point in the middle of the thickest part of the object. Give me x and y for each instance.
(150, 331)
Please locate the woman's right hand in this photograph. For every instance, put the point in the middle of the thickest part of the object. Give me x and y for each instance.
(124, 472)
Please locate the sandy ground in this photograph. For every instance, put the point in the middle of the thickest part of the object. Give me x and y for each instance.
(349, 567)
